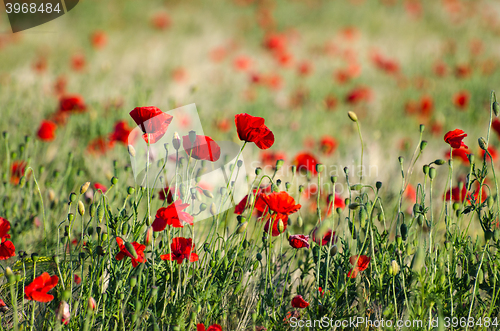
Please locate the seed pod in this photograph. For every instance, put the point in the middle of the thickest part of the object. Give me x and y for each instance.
(81, 208)
(404, 231)
(84, 188)
(130, 190)
(423, 144)
(432, 173)
(208, 194)
(356, 187)
(259, 257)
(378, 185)
(319, 168)
(72, 197)
(258, 171)
(114, 180)
(352, 115)
(130, 248)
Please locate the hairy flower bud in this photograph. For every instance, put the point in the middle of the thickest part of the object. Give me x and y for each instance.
(84, 188)
(352, 115)
(81, 208)
(176, 141)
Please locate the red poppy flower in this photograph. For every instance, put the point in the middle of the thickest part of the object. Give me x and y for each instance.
(7, 248)
(17, 171)
(60, 85)
(152, 121)
(495, 125)
(203, 148)
(493, 152)
(440, 69)
(72, 103)
(456, 195)
(330, 102)
(304, 68)
(172, 215)
(328, 236)
(3, 306)
(99, 186)
(359, 264)
(260, 206)
(410, 193)
(100, 145)
(328, 145)
(306, 162)
(46, 132)
(78, 62)
(168, 192)
(122, 133)
(181, 249)
(338, 202)
(139, 249)
(242, 63)
(40, 65)
(213, 327)
(461, 99)
(426, 105)
(358, 94)
(275, 42)
(223, 124)
(38, 289)
(282, 204)
(98, 39)
(299, 241)
(463, 70)
(252, 129)
(77, 279)
(455, 137)
(460, 153)
(161, 21)
(299, 302)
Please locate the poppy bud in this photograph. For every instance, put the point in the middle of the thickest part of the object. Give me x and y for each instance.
(278, 182)
(92, 209)
(395, 267)
(300, 222)
(399, 240)
(213, 209)
(259, 257)
(55, 258)
(100, 213)
(81, 208)
(471, 158)
(208, 194)
(149, 220)
(100, 250)
(125, 228)
(496, 108)
(320, 167)
(130, 248)
(241, 228)
(423, 144)
(496, 234)
(258, 171)
(482, 144)
(353, 205)
(130, 190)
(489, 201)
(275, 188)
(294, 170)
(91, 305)
(114, 180)
(84, 188)
(288, 185)
(352, 115)
(131, 150)
(378, 185)
(71, 217)
(281, 226)
(133, 281)
(440, 162)
(10, 275)
(203, 207)
(176, 141)
(356, 187)
(432, 173)
(90, 230)
(346, 170)
(52, 195)
(279, 164)
(404, 231)
(333, 250)
(192, 137)
(401, 159)
(72, 197)
(34, 257)
(148, 237)
(333, 179)
(422, 128)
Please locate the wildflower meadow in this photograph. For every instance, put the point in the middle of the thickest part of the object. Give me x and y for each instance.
(251, 165)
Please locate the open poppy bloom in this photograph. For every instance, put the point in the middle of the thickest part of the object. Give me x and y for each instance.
(252, 129)
(38, 289)
(7, 248)
(166, 192)
(299, 302)
(325, 238)
(260, 206)
(139, 250)
(181, 249)
(455, 137)
(72, 103)
(203, 148)
(99, 186)
(306, 162)
(172, 215)
(47, 131)
(299, 241)
(328, 145)
(359, 264)
(338, 202)
(122, 132)
(282, 204)
(213, 327)
(152, 121)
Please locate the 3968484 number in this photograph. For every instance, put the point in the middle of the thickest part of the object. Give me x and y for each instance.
(31, 8)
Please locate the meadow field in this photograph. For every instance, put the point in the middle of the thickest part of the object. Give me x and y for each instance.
(251, 165)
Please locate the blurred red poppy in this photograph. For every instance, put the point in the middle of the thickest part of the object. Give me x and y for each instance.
(46, 131)
(161, 21)
(17, 171)
(440, 69)
(330, 102)
(461, 99)
(299, 241)
(168, 192)
(275, 42)
(338, 202)
(203, 148)
(358, 94)
(72, 103)
(328, 145)
(426, 105)
(99, 186)
(410, 193)
(493, 152)
(359, 264)
(461, 153)
(122, 133)
(77, 279)
(304, 68)
(325, 239)
(299, 302)
(242, 63)
(495, 125)
(306, 162)
(7, 248)
(269, 158)
(38, 289)
(98, 39)
(463, 71)
(253, 129)
(124, 252)
(455, 137)
(172, 215)
(78, 62)
(181, 249)
(152, 121)
(99, 145)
